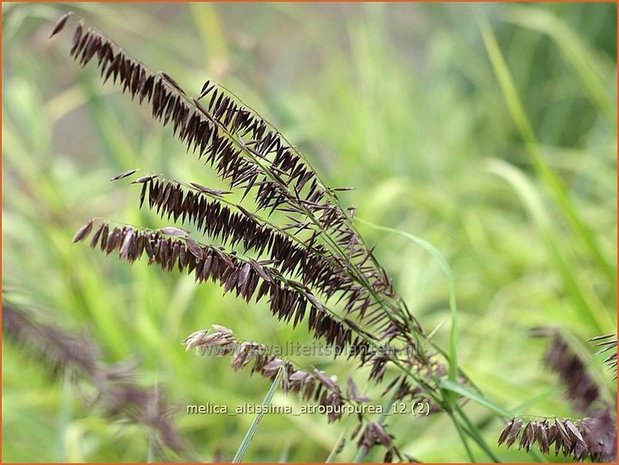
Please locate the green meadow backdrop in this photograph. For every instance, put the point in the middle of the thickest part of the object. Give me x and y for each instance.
(487, 130)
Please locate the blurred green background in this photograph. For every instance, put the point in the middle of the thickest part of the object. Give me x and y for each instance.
(516, 186)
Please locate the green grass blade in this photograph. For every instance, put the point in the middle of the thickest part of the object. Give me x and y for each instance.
(547, 175)
(475, 397)
(209, 26)
(453, 335)
(284, 456)
(240, 453)
(573, 49)
(65, 415)
(473, 432)
(465, 443)
(446, 269)
(584, 299)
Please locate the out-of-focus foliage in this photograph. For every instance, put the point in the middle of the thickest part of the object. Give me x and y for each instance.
(401, 102)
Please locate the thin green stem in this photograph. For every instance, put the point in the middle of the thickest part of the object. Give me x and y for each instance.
(240, 453)
(463, 439)
(474, 434)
